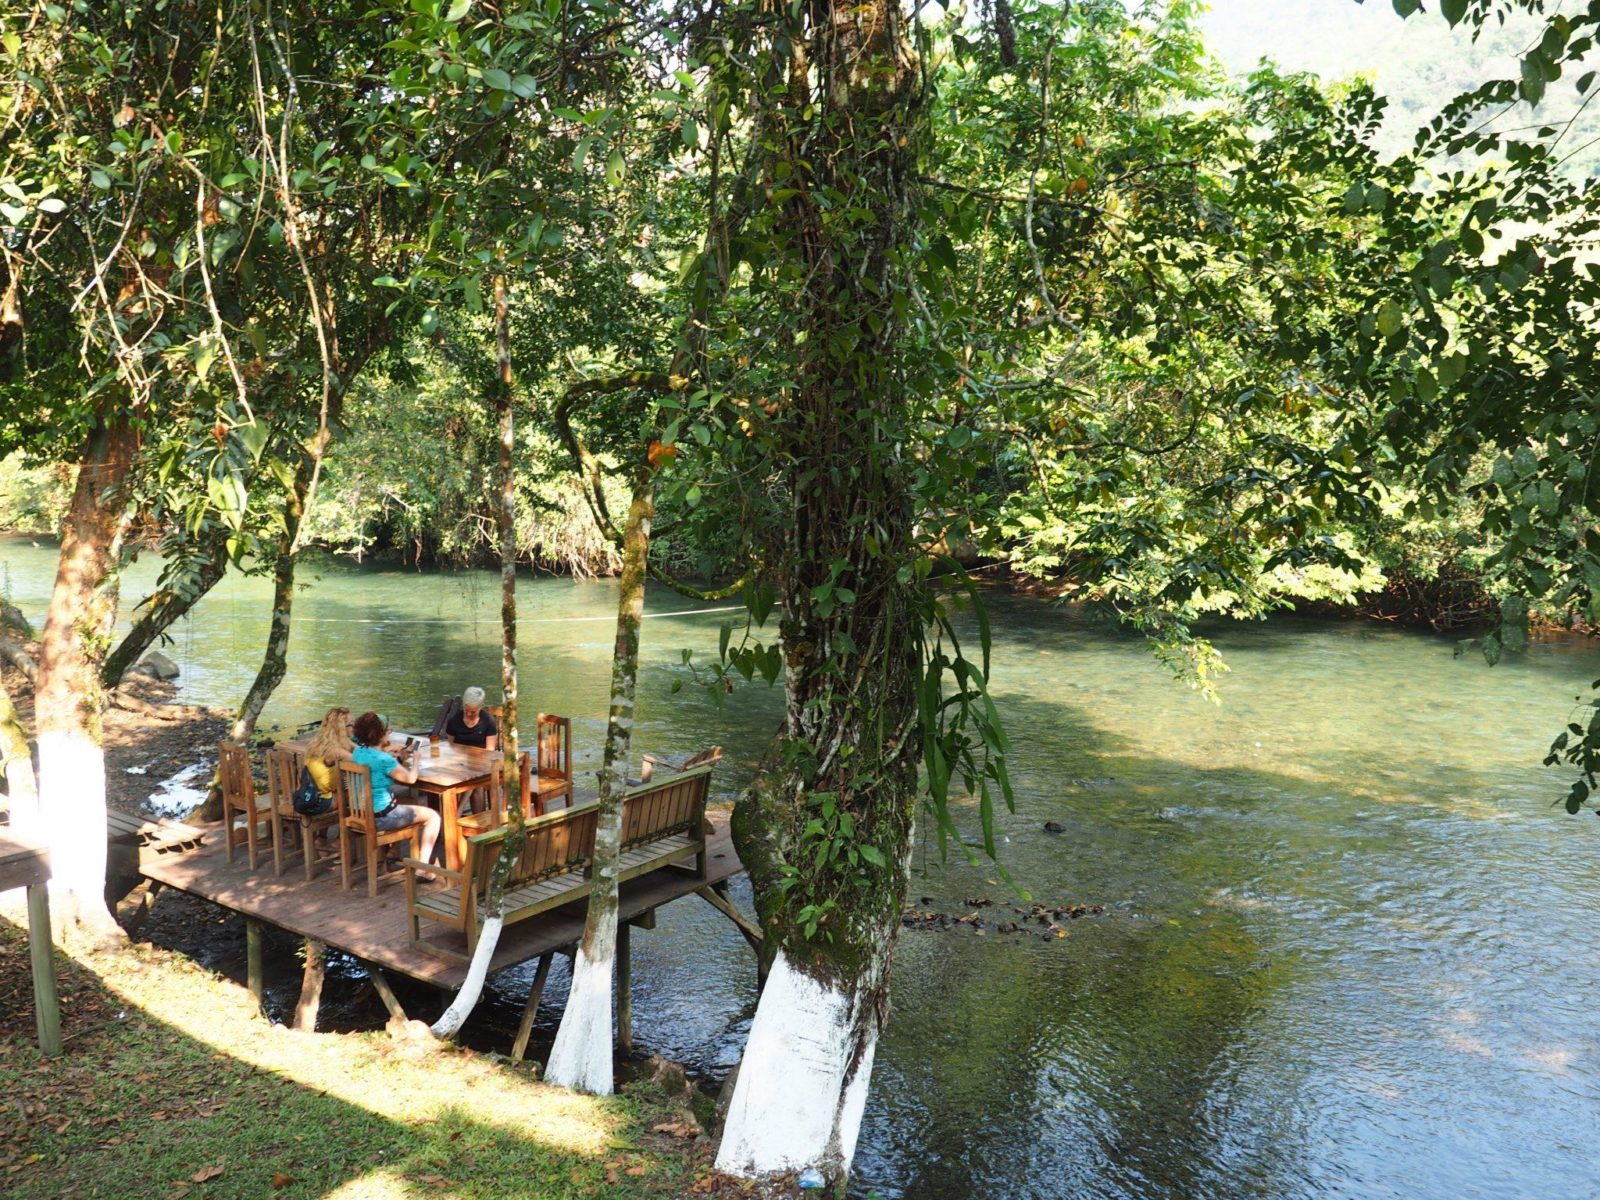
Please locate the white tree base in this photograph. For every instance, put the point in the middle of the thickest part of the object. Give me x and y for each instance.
(71, 820)
(798, 1100)
(453, 1018)
(581, 1056)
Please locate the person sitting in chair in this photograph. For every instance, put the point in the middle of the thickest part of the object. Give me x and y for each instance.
(473, 725)
(386, 770)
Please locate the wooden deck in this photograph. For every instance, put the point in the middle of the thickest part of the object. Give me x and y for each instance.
(375, 929)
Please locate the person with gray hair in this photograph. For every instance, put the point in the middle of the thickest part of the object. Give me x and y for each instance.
(473, 725)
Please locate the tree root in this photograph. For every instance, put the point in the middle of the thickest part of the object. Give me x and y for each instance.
(161, 712)
(18, 657)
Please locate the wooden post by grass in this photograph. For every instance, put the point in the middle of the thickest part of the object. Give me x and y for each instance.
(252, 958)
(531, 1009)
(46, 1005)
(625, 985)
(380, 984)
(305, 1012)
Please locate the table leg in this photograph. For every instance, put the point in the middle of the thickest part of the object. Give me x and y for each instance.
(449, 801)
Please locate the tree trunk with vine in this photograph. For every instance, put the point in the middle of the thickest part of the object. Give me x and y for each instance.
(826, 833)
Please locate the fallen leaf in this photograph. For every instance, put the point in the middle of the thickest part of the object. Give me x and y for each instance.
(436, 1180)
(280, 1180)
(637, 1170)
(205, 1173)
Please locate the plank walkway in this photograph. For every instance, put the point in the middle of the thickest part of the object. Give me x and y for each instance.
(374, 929)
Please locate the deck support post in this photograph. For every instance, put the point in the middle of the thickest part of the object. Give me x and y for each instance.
(530, 1010)
(46, 1005)
(252, 958)
(380, 984)
(142, 906)
(624, 985)
(305, 1012)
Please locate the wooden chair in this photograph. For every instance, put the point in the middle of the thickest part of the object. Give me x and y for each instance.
(240, 804)
(283, 777)
(553, 777)
(708, 757)
(448, 707)
(356, 820)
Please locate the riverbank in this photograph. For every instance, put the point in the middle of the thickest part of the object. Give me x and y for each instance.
(172, 1086)
(160, 751)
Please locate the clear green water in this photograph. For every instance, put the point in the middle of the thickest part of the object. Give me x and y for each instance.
(1349, 951)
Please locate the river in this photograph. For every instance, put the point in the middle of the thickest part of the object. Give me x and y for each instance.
(1348, 947)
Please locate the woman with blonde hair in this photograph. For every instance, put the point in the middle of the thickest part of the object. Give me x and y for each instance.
(330, 746)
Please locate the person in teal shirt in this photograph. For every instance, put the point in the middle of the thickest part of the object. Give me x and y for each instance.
(369, 733)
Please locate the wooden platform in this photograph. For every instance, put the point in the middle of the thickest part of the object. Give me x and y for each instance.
(375, 929)
(158, 836)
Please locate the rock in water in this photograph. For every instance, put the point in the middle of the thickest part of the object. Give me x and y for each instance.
(1054, 827)
(158, 666)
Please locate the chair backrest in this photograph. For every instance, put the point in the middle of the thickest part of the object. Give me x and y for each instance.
(528, 794)
(560, 842)
(564, 841)
(448, 708)
(283, 776)
(355, 795)
(553, 739)
(708, 757)
(233, 770)
(672, 805)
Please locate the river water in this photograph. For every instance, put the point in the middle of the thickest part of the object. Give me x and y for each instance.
(1348, 949)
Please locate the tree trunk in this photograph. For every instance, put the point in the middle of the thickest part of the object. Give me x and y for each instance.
(581, 1056)
(67, 700)
(831, 821)
(164, 607)
(16, 761)
(454, 1017)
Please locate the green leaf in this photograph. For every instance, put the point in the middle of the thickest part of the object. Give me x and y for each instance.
(616, 169)
(458, 9)
(1453, 10)
(497, 79)
(581, 152)
(1532, 86)
(873, 855)
(1389, 318)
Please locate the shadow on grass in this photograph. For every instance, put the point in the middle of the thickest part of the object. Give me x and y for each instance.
(171, 1086)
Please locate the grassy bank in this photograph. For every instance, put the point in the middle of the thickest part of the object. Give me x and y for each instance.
(172, 1087)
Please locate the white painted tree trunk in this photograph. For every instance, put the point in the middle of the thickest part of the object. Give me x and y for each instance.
(802, 1086)
(453, 1018)
(581, 1056)
(71, 819)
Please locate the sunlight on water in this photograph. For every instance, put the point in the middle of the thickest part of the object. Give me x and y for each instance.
(1348, 948)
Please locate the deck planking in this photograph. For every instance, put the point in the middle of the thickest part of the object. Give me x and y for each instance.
(375, 929)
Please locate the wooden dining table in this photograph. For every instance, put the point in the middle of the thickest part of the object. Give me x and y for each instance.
(442, 779)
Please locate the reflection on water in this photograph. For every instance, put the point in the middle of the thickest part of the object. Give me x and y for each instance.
(1348, 949)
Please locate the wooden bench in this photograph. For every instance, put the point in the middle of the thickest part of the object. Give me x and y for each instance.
(662, 825)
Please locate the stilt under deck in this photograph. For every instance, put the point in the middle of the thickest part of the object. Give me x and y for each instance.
(374, 930)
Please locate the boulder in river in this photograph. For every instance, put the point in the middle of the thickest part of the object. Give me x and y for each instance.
(1054, 827)
(157, 665)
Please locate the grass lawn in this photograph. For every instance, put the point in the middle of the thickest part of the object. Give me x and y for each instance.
(171, 1086)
